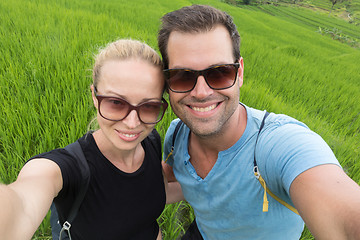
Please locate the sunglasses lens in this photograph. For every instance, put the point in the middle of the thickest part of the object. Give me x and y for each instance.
(117, 109)
(181, 80)
(151, 112)
(114, 108)
(221, 77)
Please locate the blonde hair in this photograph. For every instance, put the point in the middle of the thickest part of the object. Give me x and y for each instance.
(124, 49)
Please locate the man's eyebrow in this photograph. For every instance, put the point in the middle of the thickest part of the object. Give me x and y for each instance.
(210, 66)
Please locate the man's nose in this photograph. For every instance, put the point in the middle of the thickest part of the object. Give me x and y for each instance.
(201, 89)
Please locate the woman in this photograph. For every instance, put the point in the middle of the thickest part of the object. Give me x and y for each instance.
(126, 192)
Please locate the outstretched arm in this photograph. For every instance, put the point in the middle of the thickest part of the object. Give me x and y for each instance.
(25, 202)
(329, 202)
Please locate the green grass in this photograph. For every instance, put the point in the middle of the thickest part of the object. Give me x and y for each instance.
(46, 51)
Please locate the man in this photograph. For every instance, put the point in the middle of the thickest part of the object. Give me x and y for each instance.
(214, 151)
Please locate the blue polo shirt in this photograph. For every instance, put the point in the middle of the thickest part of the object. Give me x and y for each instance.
(228, 202)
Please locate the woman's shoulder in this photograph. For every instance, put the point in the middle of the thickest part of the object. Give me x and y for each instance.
(61, 153)
(53, 155)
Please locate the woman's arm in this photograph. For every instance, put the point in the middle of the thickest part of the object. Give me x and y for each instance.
(173, 192)
(172, 187)
(168, 172)
(25, 202)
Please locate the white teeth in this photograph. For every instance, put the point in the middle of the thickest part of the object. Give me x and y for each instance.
(129, 135)
(209, 108)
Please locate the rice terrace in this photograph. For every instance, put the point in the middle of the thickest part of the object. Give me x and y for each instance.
(300, 59)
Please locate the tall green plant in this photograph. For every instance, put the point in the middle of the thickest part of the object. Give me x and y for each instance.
(46, 51)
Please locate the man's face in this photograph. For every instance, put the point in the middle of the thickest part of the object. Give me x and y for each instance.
(206, 111)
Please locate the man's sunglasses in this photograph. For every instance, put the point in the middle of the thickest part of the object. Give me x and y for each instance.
(217, 77)
(116, 109)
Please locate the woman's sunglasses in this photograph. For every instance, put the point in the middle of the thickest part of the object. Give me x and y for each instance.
(116, 109)
(217, 77)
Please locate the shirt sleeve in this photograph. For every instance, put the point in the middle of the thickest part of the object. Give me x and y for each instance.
(69, 169)
(288, 150)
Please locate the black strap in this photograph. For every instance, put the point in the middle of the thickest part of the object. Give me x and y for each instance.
(75, 150)
(178, 125)
(261, 127)
(155, 141)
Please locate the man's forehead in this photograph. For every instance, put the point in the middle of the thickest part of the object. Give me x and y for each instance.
(200, 50)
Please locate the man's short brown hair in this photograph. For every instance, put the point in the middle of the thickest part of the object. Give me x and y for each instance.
(196, 19)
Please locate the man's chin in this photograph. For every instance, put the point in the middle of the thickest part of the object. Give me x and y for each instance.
(204, 129)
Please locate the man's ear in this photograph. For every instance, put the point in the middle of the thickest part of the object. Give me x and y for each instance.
(240, 73)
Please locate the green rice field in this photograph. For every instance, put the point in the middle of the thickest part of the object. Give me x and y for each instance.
(297, 61)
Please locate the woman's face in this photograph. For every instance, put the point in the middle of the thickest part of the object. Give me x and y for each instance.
(135, 81)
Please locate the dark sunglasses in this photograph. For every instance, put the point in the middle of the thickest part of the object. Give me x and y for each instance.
(116, 109)
(217, 77)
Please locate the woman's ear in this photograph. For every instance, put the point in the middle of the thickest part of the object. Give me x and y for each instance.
(95, 101)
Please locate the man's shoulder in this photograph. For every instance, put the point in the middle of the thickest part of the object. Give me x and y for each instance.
(173, 124)
(273, 119)
(174, 128)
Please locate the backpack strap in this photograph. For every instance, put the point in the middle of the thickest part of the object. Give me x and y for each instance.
(76, 151)
(155, 141)
(178, 125)
(257, 138)
(262, 181)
